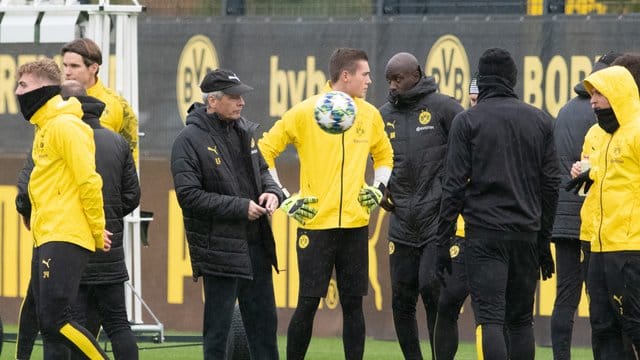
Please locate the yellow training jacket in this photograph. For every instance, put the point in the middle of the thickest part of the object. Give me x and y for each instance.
(588, 210)
(118, 115)
(64, 188)
(616, 166)
(332, 166)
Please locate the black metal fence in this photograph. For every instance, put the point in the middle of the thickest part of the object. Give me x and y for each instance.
(359, 8)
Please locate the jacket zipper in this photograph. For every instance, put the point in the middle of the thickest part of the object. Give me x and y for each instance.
(606, 165)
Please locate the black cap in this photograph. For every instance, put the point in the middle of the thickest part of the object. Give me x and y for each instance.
(223, 80)
(605, 61)
(498, 62)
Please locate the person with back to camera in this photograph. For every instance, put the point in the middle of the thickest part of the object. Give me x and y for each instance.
(502, 175)
(101, 298)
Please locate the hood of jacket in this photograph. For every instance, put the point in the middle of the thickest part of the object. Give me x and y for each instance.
(617, 84)
(426, 85)
(581, 91)
(92, 109)
(494, 86)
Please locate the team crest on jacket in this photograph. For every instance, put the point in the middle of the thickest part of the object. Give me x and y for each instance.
(392, 247)
(303, 241)
(454, 251)
(424, 117)
(253, 143)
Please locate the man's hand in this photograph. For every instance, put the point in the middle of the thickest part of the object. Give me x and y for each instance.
(545, 260)
(106, 236)
(576, 169)
(255, 210)
(371, 196)
(269, 201)
(443, 262)
(296, 207)
(576, 183)
(387, 202)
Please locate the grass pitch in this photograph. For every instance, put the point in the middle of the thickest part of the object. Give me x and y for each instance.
(320, 349)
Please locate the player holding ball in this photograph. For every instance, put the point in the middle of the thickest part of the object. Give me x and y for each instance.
(334, 201)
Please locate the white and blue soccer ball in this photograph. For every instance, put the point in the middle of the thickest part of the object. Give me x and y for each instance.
(335, 112)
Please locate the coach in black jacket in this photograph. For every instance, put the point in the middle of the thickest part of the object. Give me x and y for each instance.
(417, 121)
(502, 175)
(226, 193)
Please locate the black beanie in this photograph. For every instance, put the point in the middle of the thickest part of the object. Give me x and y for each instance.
(498, 62)
(605, 61)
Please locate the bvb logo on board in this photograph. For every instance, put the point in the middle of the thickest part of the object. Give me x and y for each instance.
(447, 62)
(198, 56)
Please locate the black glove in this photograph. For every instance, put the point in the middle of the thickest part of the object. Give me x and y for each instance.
(576, 183)
(545, 260)
(387, 202)
(443, 262)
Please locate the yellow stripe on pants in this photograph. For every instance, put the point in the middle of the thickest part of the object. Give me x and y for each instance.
(479, 342)
(81, 342)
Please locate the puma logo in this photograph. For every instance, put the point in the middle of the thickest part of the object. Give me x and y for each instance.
(213, 150)
(46, 262)
(618, 299)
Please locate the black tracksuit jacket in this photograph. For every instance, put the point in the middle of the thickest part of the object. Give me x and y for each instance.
(572, 124)
(208, 191)
(502, 168)
(417, 123)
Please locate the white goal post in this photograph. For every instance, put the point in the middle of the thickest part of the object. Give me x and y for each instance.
(60, 21)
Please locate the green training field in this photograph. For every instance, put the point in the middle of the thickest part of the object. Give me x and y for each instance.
(320, 349)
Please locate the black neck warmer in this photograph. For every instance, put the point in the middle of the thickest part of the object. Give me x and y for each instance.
(33, 100)
(607, 120)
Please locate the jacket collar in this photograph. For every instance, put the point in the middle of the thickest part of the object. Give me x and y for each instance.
(54, 107)
(494, 86)
(426, 85)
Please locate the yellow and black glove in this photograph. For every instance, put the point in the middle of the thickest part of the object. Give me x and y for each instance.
(371, 196)
(296, 207)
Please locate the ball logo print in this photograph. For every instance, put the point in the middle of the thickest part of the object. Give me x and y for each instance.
(335, 112)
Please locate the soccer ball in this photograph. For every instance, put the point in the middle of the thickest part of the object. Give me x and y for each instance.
(335, 112)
